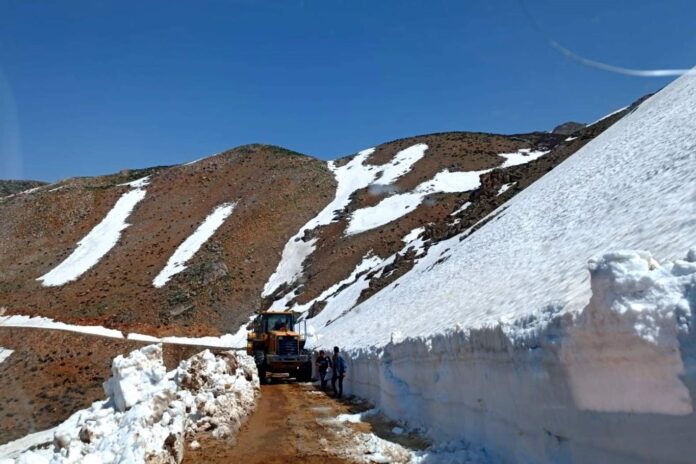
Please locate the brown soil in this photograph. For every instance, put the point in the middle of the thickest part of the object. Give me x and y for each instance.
(284, 428)
(276, 192)
(292, 423)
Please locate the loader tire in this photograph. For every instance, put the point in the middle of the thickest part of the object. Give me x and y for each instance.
(305, 373)
(260, 360)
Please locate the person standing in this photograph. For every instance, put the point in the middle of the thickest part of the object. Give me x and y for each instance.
(323, 362)
(338, 366)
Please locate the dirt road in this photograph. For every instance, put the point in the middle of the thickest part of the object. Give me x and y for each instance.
(294, 422)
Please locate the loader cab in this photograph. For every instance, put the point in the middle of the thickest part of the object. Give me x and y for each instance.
(280, 321)
(277, 343)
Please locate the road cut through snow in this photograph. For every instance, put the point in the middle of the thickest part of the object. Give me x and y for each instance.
(502, 338)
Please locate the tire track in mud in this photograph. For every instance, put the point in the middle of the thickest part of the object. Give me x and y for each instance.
(295, 422)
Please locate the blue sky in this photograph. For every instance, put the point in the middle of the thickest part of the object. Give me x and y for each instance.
(89, 87)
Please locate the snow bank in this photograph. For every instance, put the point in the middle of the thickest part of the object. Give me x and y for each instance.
(607, 385)
(351, 177)
(192, 244)
(97, 243)
(515, 347)
(149, 413)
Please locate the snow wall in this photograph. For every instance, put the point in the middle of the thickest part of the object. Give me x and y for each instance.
(516, 348)
(613, 384)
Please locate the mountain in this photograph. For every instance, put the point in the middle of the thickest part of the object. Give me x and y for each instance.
(13, 187)
(195, 249)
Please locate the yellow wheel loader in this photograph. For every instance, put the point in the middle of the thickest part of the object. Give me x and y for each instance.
(278, 347)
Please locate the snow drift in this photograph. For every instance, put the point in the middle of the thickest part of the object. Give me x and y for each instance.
(512, 345)
(149, 412)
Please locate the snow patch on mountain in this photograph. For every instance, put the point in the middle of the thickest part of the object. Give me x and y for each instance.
(4, 354)
(149, 412)
(38, 322)
(396, 206)
(189, 247)
(99, 241)
(504, 188)
(522, 156)
(351, 177)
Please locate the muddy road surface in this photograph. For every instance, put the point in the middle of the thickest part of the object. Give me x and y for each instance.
(296, 423)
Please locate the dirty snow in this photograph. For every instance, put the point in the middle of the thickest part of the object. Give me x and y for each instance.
(189, 247)
(97, 243)
(351, 177)
(149, 413)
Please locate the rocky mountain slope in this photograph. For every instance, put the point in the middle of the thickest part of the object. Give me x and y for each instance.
(13, 187)
(195, 249)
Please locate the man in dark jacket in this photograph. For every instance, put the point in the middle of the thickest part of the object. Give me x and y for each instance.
(338, 366)
(323, 362)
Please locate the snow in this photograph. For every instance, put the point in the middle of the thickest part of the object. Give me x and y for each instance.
(135, 377)
(617, 192)
(608, 116)
(396, 206)
(353, 286)
(504, 188)
(401, 164)
(351, 177)
(39, 322)
(137, 183)
(149, 413)
(4, 354)
(413, 235)
(522, 156)
(461, 208)
(237, 340)
(501, 337)
(189, 247)
(570, 139)
(97, 243)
